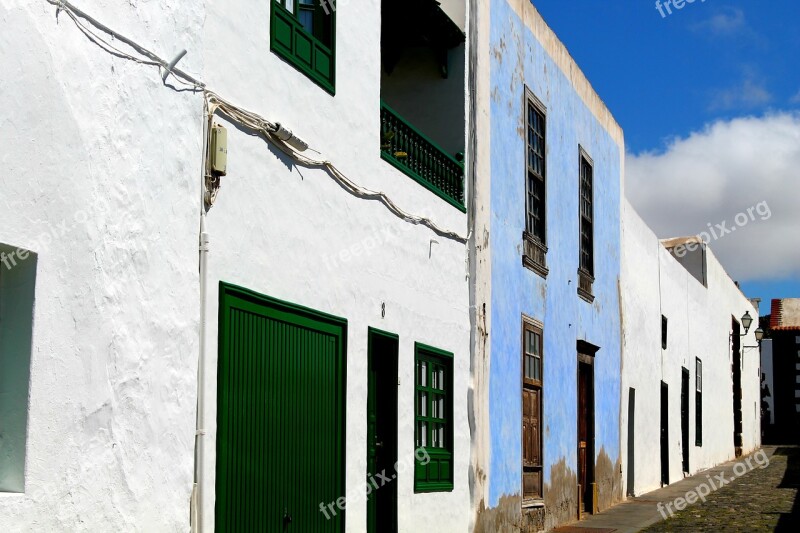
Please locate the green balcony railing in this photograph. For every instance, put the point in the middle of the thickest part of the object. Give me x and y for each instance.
(415, 155)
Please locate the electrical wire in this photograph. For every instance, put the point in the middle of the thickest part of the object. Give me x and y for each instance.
(259, 124)
(152, 59)
(215, 103)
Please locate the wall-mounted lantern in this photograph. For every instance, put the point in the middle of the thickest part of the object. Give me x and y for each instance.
(747, 321)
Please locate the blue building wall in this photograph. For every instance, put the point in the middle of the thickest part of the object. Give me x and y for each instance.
(517, 60)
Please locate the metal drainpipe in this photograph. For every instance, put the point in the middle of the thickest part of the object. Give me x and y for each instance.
(200, 434)
(199, 456)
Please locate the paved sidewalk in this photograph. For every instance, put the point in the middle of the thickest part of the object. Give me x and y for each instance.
(760, 500)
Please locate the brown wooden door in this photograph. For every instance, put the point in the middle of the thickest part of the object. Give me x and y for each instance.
(531, 443)
(585, 434)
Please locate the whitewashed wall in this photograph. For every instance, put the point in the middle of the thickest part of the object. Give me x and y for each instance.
(96, 145)
(294, 234)
(100, 167)
(654, 283)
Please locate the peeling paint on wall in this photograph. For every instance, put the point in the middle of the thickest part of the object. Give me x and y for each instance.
(561, 495)
(608, 477)
(509, 517)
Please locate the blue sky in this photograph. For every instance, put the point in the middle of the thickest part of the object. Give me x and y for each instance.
(709, 99)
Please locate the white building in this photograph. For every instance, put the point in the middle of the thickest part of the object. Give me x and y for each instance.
(111, 307)
(683, 339)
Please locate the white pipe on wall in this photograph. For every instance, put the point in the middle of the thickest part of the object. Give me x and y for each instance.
(199, 459)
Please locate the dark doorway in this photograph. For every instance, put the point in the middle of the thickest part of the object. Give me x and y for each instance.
(586, 432)
(664, 434)
(737, 387)
(382, 430)
(685, 418)
(631, 439)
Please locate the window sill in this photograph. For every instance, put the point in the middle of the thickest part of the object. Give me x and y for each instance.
(532, 504)
(585, 283)
(588, 297)
(534, 255)
(423, 488)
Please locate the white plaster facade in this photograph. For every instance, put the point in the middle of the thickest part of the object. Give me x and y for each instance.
(101, 169)
(97, 145)
(699, 326)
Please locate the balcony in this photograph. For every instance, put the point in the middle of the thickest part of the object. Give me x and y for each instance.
(412, 153)
(422, 93)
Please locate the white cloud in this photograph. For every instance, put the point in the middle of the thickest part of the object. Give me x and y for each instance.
(750, 93)
(713, 175)
(726, 21)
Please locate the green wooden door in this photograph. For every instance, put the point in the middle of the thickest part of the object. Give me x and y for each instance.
(281, 416)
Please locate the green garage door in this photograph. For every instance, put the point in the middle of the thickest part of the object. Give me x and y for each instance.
(281, 416)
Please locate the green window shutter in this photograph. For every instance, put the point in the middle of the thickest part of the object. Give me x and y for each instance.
(310, 49)
(433, 416)
(281, 415)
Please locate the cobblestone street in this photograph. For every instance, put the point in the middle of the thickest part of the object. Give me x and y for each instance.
(762, 500)
(765, 499)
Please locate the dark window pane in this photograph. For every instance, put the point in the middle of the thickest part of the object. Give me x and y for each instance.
(307, 20)
(535, 204)
(586, 215)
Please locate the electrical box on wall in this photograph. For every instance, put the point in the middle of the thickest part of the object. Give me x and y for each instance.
(218, 151)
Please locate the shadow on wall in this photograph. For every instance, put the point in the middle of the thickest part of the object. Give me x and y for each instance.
(17, 283)
(791, 480)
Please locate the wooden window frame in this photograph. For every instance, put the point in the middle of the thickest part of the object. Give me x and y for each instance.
(312, 53)
(698, 402)
(530, 384)
(534, 237)
(585, 226)
(440, 457)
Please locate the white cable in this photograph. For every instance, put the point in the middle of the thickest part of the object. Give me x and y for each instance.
(268, 130)
(243, 117)
(152, 59)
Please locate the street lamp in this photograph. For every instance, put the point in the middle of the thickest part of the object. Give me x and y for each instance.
(747, 321)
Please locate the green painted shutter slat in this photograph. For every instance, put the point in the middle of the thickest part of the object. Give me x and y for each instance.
(281, 414)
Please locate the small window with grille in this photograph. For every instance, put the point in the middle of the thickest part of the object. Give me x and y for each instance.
(433, 431)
